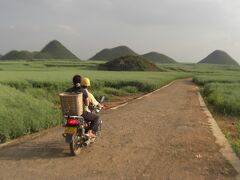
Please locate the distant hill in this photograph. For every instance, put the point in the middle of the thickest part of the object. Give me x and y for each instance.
(158, 58)
(219, 57)
(41, 55)
(14, 55)
(56, 50)
(0, 56)
(110, 54)
(129, 63)
(53, 50)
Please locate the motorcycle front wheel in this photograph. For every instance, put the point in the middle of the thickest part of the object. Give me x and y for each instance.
(75, 145)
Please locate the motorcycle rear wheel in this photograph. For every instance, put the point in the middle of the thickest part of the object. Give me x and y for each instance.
(75, 146)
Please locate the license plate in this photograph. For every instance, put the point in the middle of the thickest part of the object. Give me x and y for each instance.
(70, 130)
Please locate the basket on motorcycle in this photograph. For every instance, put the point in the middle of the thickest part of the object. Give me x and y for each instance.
(71, 103)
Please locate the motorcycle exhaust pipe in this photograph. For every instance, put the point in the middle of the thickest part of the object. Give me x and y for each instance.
(86, 143)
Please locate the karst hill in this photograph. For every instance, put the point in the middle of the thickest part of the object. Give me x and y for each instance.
(129, 63)
(14, 55)
(158, 58)
(113, 53)
(219, 57)
(53, 50)
(56, 50)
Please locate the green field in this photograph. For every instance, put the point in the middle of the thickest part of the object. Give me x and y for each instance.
(221, 91)
(29, 89)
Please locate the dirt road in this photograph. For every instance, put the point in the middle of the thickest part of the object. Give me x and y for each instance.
(162, 136)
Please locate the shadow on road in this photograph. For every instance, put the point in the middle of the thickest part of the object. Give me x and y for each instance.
(36, 150)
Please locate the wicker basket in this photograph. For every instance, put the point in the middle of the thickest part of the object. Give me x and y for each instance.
(71, 103)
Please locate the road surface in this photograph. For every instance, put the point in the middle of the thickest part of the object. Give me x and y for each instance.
(163, 136)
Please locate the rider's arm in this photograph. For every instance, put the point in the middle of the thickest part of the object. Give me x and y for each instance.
(92, 99)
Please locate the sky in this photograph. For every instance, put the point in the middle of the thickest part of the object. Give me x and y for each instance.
(186, 30)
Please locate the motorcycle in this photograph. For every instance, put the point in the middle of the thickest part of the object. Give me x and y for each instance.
(76, 129)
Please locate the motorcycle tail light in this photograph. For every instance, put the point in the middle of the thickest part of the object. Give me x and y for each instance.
(72, 121)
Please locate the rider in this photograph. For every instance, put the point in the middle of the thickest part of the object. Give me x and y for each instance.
(85, 84)
(88, 116)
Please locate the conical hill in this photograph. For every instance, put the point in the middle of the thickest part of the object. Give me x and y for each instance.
(15, 55)
(56, 50)
(53, 50)
(129, 63)
(158, 58)
(219, 57)
(113, 53)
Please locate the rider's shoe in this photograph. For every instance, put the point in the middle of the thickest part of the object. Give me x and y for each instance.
(92, 140)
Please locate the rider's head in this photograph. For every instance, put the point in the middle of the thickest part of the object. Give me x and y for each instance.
(77, 80)
(85, 82)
